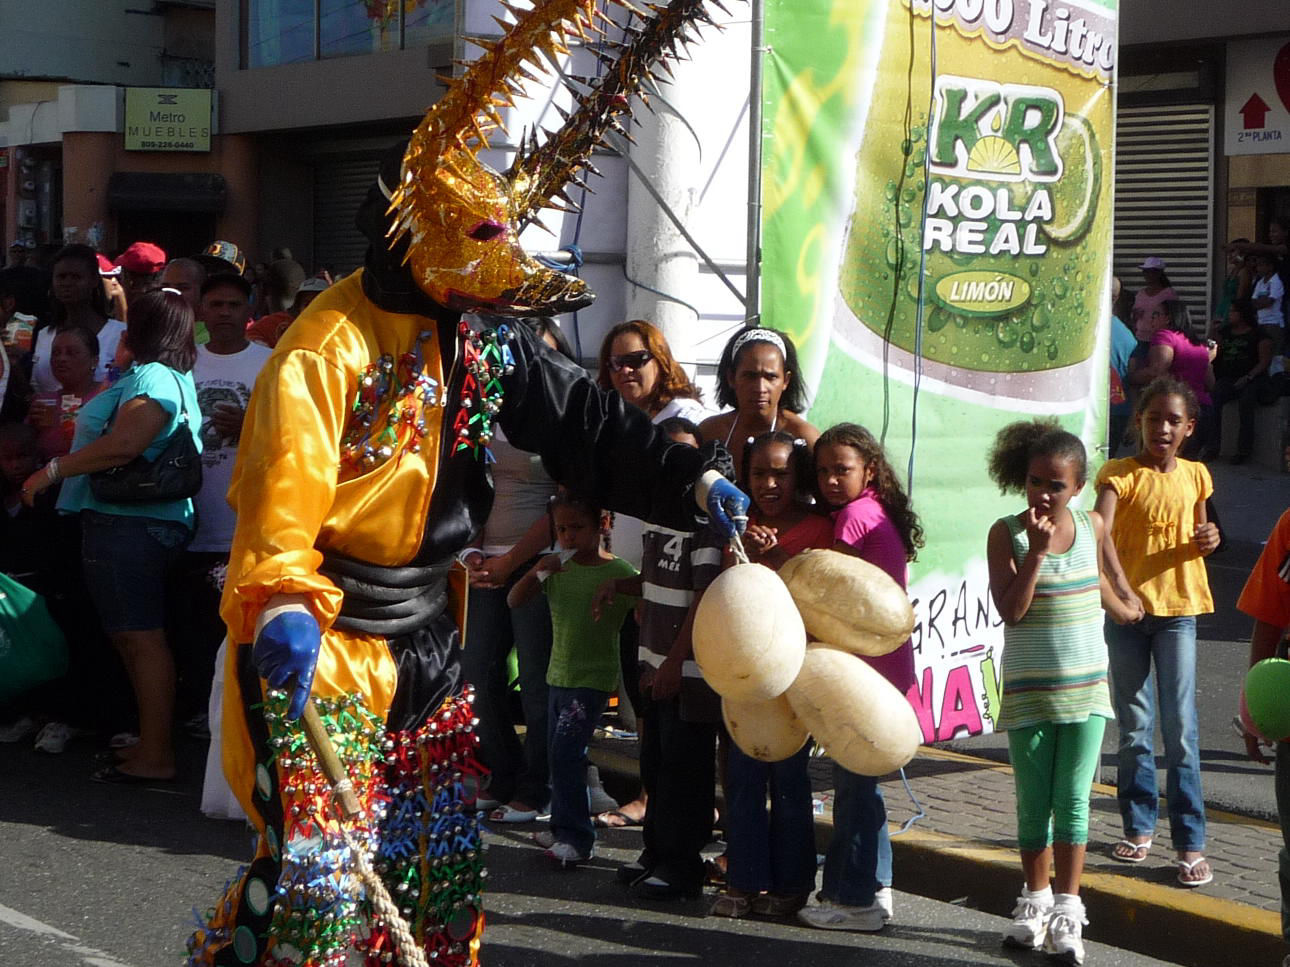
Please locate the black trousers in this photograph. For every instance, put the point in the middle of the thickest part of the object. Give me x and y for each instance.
(678, 769)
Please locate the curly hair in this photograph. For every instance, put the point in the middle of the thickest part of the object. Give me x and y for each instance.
(1019, 443)
(799, 460)
(673, 383)
(1168, 386)
(792, 399)
(891, 495)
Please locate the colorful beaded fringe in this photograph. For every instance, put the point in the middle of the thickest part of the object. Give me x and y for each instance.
(426, 849)
(487, 356)
(389, 415)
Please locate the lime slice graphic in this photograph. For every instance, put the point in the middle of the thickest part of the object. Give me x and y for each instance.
(994, 155)
(1075, 196)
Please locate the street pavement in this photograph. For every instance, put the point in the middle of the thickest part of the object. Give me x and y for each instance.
(109, 877)
(101, 876)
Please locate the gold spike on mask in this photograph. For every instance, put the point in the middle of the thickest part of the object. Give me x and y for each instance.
(461, 218)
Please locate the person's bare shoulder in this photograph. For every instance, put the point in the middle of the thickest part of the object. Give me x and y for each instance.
(799, 426)
(715, 426)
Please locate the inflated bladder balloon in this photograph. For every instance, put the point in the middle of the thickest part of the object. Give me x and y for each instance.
(767, 731)
(854, 605)
(1267, 696)
(859, 717)
(748, 637)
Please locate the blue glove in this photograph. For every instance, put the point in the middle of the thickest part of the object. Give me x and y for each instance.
(727, 508)
(287, 648)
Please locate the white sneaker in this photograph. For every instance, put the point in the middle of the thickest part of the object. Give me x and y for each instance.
(599, 800)
(1065, 937)
(1029, 921)
(828, 915)
(885, 899)
(565, 854)
(18, 730)
(53, 738)
(543, 838)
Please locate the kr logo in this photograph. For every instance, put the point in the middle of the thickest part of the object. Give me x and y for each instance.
(998, 132)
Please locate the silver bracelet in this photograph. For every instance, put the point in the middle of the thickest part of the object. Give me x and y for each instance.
(52, 471)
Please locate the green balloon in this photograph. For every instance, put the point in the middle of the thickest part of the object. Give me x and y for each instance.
(1267, 694)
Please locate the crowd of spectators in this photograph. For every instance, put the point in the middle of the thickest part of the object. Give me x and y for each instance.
(105, 360)
(1237, 356)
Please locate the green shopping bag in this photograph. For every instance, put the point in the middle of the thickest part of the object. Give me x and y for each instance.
(32, 648)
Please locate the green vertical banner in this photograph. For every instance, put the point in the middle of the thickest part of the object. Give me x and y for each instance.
(937, 186)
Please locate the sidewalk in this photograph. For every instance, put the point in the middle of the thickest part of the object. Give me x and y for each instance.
(963, 850)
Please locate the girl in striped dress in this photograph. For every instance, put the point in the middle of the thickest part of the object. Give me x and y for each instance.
(1046, 583)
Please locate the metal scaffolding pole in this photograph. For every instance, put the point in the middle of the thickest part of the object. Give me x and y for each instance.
(752, 288)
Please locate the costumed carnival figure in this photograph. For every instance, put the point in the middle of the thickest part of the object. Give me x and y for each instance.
(363, 470)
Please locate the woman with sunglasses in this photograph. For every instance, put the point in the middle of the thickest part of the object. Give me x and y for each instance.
(636, 360)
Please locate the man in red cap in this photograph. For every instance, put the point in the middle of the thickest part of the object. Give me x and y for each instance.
(141, 266)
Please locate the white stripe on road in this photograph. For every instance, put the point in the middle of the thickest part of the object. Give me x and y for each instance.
(87, 955)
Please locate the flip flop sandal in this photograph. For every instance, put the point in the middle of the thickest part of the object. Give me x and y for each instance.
(1135, 849)
(714, 873)
(1185, 867)
(779, 904)
(508, 814)
(731, 905)
(115, 777)
(606, 819)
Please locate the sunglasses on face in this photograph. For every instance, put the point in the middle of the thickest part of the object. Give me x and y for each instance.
(630, 360)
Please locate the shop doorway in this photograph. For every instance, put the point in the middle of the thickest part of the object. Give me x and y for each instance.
(1272, 203)
(178, 233)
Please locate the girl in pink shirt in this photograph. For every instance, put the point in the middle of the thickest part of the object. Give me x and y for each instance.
(1175, 352)
(873, 520)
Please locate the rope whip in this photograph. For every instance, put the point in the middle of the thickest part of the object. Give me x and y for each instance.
(348, 808)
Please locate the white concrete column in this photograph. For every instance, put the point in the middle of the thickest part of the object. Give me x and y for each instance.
(657, 255)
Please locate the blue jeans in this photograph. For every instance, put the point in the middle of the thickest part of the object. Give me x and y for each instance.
(1171, 644)
(858, 862)
(775, 852)
(519, 771)
(571, 719)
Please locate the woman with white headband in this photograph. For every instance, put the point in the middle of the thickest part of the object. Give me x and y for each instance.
(757, 377)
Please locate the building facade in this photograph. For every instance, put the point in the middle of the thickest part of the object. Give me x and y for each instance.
(288, 104)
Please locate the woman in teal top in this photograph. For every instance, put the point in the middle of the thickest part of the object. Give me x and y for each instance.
(1046, 582)
(128, 549)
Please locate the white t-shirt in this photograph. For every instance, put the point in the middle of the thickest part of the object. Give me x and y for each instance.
(1270, 288)
(42, 377)
(220, 379)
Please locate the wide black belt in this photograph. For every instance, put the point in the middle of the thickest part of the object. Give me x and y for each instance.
(387, 601)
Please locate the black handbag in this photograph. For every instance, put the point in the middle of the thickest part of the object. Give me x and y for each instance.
(176, 474)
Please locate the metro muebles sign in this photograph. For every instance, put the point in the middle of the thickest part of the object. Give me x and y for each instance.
(167, 119)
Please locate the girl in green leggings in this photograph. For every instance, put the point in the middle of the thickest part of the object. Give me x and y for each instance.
(1047, 585)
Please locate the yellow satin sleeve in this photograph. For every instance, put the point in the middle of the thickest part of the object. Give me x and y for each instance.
(285, 486)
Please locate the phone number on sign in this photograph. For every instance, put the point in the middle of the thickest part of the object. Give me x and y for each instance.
(169, 145)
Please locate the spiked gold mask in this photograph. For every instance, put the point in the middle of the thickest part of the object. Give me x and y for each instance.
(461, 218)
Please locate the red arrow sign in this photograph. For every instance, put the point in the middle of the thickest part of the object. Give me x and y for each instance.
(1255, 112)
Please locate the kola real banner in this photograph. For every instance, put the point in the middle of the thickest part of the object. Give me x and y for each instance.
(937, 238)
